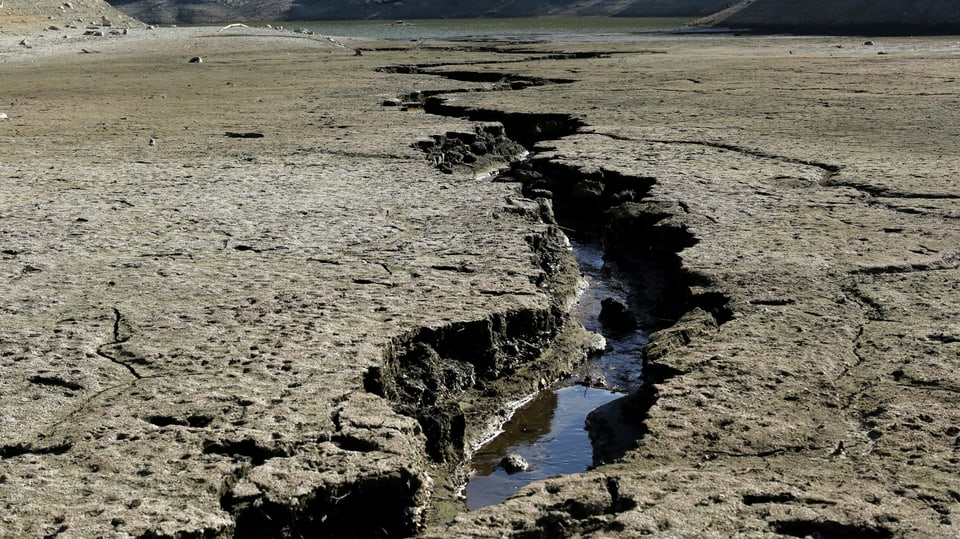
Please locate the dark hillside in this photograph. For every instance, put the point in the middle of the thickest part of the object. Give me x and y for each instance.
(841, 16)
(193, 11)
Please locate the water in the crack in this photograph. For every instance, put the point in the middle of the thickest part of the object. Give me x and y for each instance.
(621, 366)
(549, 431)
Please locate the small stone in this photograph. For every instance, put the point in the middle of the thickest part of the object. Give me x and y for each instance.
(479, 147)
(840, 451)
(596, 344)
(245, 490)
(514, 463)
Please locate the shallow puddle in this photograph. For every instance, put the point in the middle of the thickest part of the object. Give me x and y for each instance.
(548, 431)
(621, 366)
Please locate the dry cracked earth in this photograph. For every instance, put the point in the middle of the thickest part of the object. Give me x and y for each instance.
(252, 296)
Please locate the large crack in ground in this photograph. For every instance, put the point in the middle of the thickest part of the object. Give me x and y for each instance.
(620, 209)
(457, 380)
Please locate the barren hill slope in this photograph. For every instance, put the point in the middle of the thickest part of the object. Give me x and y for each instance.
(840, 16)
(19, 16)
(184, 11)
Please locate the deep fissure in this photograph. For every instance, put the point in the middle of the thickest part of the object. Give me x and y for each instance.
(458, 380)
(429, 372)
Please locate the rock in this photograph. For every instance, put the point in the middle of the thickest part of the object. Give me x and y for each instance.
(514, 463)
(479, 147)
(616, 316)
(597, 344)
(456, 149)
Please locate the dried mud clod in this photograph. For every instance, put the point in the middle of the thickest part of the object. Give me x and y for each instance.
(426, 371)
(486, 147)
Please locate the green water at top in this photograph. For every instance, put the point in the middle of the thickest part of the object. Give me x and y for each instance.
(520, 28)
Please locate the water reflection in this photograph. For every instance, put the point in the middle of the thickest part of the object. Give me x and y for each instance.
(620, 367)
(548, 432)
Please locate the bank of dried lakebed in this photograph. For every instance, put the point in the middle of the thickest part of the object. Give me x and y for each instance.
(198, 332)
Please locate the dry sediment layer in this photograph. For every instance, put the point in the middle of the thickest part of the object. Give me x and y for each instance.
(197, 327)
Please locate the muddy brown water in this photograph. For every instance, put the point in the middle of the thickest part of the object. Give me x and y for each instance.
(549, 430)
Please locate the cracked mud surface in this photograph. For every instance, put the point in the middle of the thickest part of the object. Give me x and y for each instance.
(188, 327)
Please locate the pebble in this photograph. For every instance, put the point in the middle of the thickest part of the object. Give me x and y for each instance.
(514, 463)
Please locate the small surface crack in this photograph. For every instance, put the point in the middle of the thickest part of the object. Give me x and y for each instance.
(884, 192)
(828, 170)
(15, 450)
(109, 350)
(758, 454)
(949, 262)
